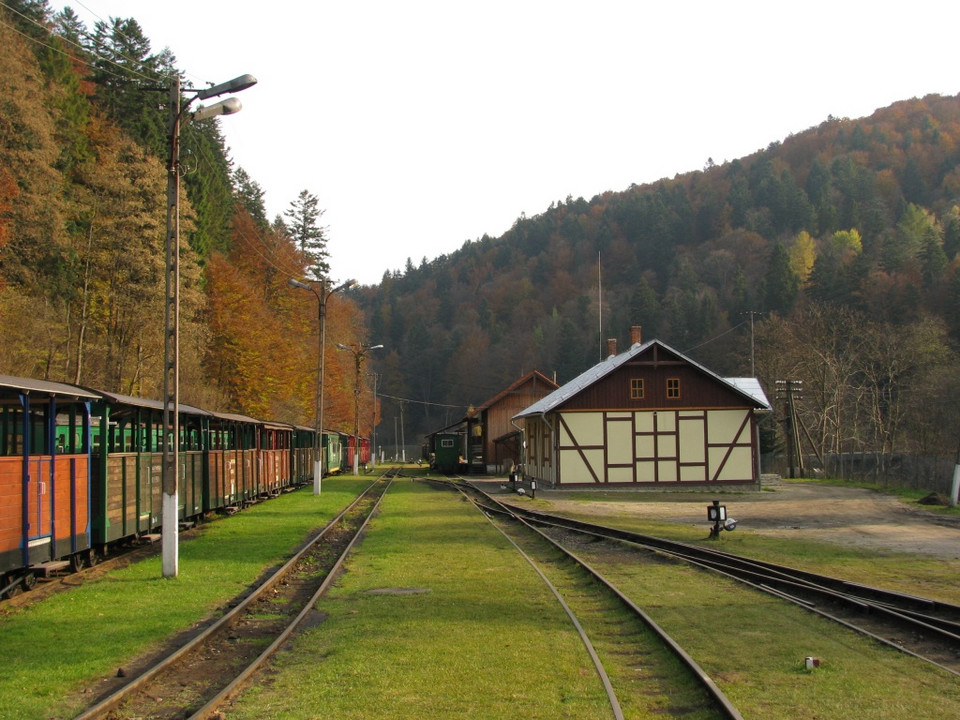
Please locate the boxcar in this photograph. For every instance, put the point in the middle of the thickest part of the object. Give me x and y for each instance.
(448, 452)
(45, 485)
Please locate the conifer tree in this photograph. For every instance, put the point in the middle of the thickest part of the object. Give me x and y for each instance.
(304, 215)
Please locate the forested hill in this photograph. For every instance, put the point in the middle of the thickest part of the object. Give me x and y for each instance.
(829, 258)
(855, 216)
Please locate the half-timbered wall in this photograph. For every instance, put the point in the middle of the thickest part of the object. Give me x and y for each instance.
(656, 447)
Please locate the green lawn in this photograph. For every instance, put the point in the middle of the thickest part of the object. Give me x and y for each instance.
(437, 616)
(52, 651)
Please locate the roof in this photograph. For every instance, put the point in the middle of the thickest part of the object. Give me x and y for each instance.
(148, 403)
(473, 412)
(532, 375)
(749, 388)
(46, 387)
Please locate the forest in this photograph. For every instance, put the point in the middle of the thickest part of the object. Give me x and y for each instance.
(828, 260)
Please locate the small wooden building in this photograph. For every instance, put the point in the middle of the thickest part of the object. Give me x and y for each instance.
(495, 438)
(486, 440)
(649, 416)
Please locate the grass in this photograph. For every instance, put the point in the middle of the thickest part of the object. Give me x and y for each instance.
(478, 641)
(754, 646)
(926, 576)
(51, 651)
(436, 617)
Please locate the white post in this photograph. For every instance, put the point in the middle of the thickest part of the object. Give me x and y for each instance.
(956, 485)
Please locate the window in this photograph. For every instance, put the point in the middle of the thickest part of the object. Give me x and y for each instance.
(673, 388)
(636, 388)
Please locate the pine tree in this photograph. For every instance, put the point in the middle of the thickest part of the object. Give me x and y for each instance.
(304, 216)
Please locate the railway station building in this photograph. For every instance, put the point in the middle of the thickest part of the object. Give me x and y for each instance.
(648, 417)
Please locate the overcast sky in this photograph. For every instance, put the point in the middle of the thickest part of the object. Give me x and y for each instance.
(423, 124)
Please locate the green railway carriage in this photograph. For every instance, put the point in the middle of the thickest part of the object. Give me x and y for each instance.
(448, 451)
(127, 472)
(301, 454)
(334, 456)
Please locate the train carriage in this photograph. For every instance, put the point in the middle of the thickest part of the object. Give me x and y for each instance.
(360, 445)
(128, 467)
(448, 451)
(302, 454)
(45, 457)
(232, 461)
(81, 469)
(275, 442)
(334, 455)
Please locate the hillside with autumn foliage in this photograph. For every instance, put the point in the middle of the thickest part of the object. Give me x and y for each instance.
(828, 259)
(83, 178)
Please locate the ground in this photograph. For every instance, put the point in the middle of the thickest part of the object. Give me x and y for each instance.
(845, 515)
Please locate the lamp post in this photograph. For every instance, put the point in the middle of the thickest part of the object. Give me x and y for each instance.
(322, 296)
(170, 467)
(359, 354)
(373, 423)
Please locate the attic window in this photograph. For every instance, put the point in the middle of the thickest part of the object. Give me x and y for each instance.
(636, 388)
(673, 388)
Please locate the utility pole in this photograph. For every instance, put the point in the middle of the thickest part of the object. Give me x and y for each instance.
(753, 371)
(790, 391)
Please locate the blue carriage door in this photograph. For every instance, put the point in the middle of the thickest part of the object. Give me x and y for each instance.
(38, 490)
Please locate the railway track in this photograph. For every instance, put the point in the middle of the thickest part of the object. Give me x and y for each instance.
(204, 674)
(609, 623)
(925, 628)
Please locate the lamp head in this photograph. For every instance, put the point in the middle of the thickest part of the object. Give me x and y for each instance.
(231, 86)
(224, 107)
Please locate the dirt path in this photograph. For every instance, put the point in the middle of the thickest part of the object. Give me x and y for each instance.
(847, 516)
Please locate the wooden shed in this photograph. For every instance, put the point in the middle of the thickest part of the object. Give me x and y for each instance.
(494, 436)
(647, 417)
(486, 438)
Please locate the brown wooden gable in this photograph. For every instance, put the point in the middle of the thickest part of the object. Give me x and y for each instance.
(654, 368)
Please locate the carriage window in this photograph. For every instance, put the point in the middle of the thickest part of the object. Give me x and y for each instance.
(446, 443)
(673, 388)
(636, 388)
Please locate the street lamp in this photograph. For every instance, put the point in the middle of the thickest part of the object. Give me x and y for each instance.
(170, 467)
(322, 296)
(359, 353)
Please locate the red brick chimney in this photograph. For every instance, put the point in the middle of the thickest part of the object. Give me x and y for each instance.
(636, 336)
(611, 347)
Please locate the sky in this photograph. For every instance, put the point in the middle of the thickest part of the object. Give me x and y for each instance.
(420, 125)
